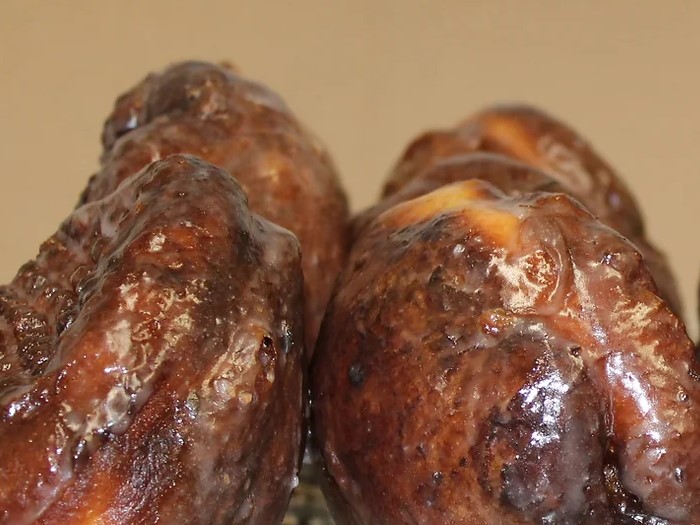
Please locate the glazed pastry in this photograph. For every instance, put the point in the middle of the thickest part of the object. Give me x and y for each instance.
(212, 112)
(151, 360)
(534, 137)
(504, 360)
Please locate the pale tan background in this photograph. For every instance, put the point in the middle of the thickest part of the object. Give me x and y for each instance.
(366, 76)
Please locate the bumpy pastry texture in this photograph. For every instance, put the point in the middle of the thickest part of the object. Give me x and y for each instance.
(504, 360)
(510, 176)
(538, 139)
(212, 112)
(150, 360)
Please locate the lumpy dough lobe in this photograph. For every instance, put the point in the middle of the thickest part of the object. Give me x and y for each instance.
(214, 113)
(532, 136)
(529, 376)
(172, 391)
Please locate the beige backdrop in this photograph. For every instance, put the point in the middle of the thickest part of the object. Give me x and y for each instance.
(366, 76)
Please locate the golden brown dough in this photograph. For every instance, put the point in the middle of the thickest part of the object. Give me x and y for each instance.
(212, 112)
(496, 360)
(510, 176)
(532, 136)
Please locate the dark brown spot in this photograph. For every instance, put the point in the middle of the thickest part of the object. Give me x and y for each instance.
(356, 375)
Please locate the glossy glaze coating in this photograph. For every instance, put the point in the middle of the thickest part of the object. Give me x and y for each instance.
(538, 139)
(151, 361)
(210, 111)
(495, 360)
